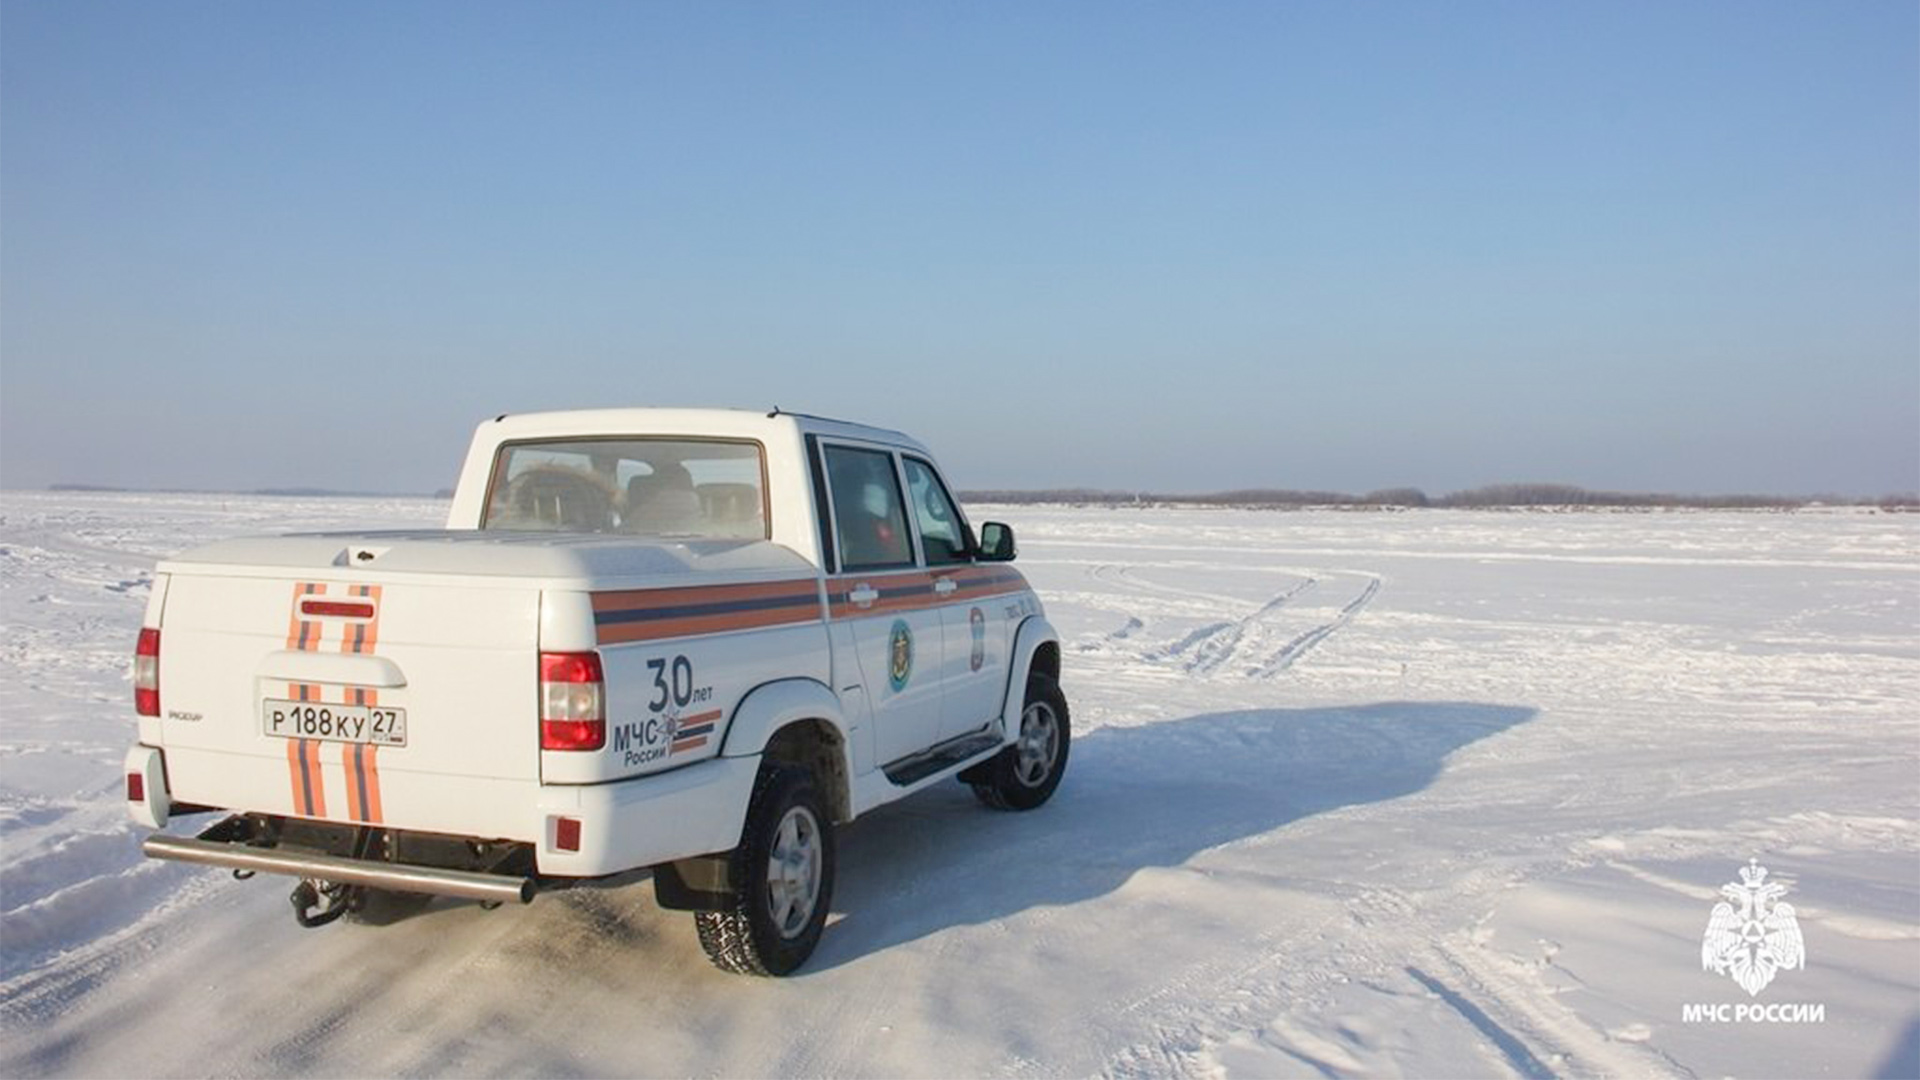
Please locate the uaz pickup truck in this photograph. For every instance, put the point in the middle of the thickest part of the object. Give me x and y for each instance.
(690, 642)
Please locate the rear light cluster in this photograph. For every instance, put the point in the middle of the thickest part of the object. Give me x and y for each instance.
(573, 711)
(146, 673)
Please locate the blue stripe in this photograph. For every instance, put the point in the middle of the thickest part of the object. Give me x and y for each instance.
(725, 607)
(360, 769)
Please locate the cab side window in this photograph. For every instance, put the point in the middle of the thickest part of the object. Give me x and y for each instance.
(943, 533)
(868, 512)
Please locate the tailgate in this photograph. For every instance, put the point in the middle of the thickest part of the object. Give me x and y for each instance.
(405, 703)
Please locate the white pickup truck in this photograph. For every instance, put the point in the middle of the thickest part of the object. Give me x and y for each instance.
(690, 641)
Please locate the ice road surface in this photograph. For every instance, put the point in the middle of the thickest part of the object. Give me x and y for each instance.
(1352, 794)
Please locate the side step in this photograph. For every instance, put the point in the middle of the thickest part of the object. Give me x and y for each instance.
(917, 767)
(399, 877)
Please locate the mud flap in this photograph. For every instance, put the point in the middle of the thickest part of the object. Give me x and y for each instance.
(698, 884)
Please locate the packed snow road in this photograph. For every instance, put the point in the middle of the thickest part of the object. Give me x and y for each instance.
(1352, 795)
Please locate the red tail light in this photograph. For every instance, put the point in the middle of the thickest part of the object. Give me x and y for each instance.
(136, 787)
(146, 673)
(337, 609)
(573, 712)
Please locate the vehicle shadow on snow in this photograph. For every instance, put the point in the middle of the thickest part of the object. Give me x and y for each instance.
(1133, 797)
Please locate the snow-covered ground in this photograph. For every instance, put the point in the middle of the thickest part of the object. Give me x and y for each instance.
(1352, 794)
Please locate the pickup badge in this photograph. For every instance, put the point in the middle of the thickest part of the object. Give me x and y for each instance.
(900, 654)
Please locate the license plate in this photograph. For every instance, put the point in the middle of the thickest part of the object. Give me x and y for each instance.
(373, 724)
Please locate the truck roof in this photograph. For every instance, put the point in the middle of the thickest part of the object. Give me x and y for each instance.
(692, 421)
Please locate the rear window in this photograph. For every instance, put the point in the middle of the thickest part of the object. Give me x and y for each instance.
(684, 488)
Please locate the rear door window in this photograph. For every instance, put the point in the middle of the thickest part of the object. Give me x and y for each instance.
(870, 521)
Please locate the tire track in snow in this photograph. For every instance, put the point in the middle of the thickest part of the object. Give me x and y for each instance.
(1212, 647)
(1307, 642)
(1215, 645)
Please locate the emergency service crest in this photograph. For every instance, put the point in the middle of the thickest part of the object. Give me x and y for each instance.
(1751, 935)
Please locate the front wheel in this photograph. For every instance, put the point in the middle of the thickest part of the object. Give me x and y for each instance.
(1024, 775)
(781, 877)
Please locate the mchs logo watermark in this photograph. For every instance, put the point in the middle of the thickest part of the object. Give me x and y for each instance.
(1751, 937)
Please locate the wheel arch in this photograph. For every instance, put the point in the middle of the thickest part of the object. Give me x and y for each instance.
(797, 721)
(1036, 648)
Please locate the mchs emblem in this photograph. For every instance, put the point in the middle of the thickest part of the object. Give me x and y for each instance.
(899, 656)
(1751, 936)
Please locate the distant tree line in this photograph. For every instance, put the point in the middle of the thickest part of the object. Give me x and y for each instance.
(1492, 496)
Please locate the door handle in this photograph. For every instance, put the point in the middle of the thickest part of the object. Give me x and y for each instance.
(863, 595)
(945, 586)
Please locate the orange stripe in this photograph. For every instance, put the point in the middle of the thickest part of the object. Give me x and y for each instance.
(648, 599)
(294, 622)
(370, 633)
(347, 755)
(355, 633)
(970, 585)
(702, 624)
(293, 771)
(319, 778)
(310, 630)
(372, 760)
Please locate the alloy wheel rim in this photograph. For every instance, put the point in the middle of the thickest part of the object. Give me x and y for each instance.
(1039, 744)
(793, 871)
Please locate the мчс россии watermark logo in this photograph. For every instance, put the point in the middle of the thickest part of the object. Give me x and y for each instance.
(1751, 937)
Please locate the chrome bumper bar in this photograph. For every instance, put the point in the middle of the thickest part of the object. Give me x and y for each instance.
(399, 877)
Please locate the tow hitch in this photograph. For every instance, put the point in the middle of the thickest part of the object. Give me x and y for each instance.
(317, 903)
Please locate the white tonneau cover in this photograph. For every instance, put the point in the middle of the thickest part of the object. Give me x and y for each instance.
(597, 560)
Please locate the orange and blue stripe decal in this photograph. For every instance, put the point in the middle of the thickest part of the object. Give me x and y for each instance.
(360, 637)
(656, 614)
(694, 731)
(361, 761)
(303, 635)
(915, 590)
(309, 787)
(306, 776)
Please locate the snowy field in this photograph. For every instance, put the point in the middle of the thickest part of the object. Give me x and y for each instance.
(1352, 794)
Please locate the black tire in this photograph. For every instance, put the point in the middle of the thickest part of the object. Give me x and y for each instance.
(770, 928)
(1024, 775)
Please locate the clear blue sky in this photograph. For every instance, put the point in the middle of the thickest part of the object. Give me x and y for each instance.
(1667, 246)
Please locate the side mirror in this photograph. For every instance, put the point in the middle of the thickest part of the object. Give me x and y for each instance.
(996, 542)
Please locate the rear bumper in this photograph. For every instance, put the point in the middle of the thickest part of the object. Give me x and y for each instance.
(616, 827)
(495, 888)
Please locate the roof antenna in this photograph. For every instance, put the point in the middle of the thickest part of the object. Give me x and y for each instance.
(774, 413)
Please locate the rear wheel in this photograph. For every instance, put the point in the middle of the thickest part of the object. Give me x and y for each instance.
(781, 877)
(1023, 775)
